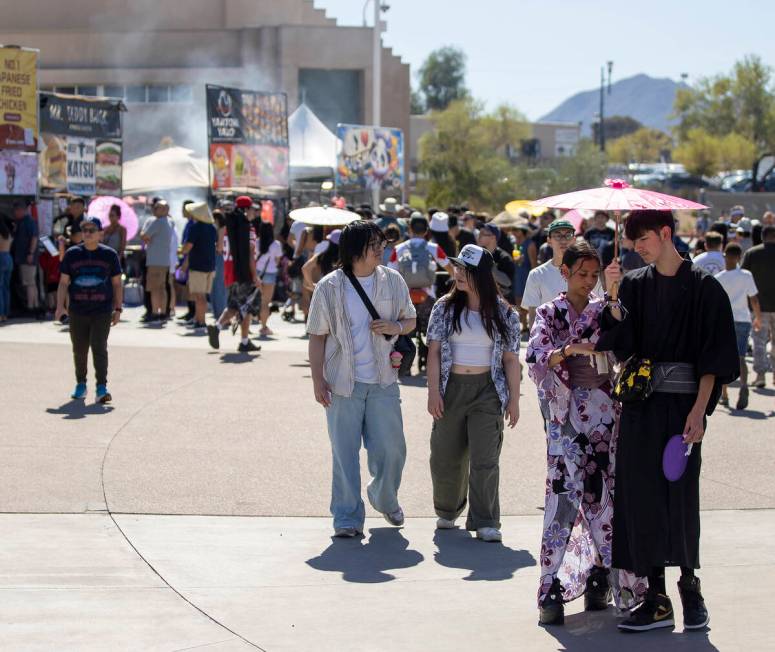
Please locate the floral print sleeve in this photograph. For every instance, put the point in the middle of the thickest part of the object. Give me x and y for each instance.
(437, 324)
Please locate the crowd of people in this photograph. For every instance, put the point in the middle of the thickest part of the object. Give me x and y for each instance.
(458, 293)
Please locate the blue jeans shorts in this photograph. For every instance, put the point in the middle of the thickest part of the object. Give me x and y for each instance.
(269, 278)
(742, 331)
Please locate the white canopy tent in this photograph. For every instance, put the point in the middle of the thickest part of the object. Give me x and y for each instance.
(165, 170)
(312, 145)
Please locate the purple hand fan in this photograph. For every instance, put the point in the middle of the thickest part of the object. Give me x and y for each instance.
(675, 457)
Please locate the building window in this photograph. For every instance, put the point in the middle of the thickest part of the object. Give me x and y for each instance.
(135, 94)
(333, 95)
(158, 93)
(114, 91)
(90, 91)
(67, 90)
(181, 93)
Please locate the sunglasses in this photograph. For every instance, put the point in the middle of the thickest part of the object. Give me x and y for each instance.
(563, 236)
(92, 230)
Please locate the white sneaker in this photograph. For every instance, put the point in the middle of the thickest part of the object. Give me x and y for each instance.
(445, 524)
(489, 534)
(395, 518)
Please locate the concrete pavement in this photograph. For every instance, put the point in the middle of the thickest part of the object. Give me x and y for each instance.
(125, 528)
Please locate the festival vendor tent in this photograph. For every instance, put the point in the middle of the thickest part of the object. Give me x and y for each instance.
(313, 146)
(165, 170)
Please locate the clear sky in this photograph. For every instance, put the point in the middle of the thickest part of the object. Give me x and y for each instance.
(535, 53)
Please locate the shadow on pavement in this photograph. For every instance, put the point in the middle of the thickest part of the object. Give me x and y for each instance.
(237, 358)
(79, 409)
(413, 381)
(596, 630)
(487, 561)
(749, 414)
(385, 549)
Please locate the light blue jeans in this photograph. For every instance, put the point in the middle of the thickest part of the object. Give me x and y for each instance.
(6, 267)
(372, 414)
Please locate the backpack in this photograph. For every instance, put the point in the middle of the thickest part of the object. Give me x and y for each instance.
(416, 266)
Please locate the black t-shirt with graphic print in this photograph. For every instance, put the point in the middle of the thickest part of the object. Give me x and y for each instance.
(91, 273)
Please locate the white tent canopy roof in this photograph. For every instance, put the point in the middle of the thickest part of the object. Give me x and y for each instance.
(312, 145)
(167, 169)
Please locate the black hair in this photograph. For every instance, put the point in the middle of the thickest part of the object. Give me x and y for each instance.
(419, 225)
(579, 251)
(489, 303)
(329, 259)
(432, 211)
(356, 238)
(78, 200)
(443, 239)
(117, 208)
(318, 233)
(452, 223)
(219, 218)
(713, 239)
(265, 237)
(733, 249)
(5, 226)
(768, 232)
(392, 233)
(639, 222)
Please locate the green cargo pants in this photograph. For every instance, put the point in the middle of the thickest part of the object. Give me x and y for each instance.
(465, 450)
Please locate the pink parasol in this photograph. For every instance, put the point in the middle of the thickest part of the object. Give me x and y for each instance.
(618, 195)
(575, 218)
(100, 207)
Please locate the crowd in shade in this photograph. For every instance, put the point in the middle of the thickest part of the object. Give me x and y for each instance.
(632, 337)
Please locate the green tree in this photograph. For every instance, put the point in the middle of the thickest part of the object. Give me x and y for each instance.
(643, 146)
(615, 127)
(699, 152)
(741, 102)
(442, 77)
(735, 152)
(417, 103)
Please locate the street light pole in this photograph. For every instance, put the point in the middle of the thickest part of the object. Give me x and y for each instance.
(601, 124)
(376, 82)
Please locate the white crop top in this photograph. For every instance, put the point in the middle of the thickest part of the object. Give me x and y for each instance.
(471, 347)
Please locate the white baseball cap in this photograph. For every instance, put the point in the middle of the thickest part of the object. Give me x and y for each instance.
(440, 222)
(474, 256)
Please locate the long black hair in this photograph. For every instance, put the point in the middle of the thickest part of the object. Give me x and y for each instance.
(329, 259)
(489, 303)
(443, 239)
(265, 237)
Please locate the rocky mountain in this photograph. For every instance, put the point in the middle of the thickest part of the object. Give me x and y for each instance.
(648, 100)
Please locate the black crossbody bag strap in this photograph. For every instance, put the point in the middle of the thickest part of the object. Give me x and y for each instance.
(365, 298)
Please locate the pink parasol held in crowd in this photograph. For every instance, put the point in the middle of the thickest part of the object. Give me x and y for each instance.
(618, 196)
(100, 207)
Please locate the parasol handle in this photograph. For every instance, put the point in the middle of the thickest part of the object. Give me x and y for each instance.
(614, 289)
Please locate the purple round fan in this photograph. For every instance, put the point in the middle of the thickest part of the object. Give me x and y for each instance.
(675, 457)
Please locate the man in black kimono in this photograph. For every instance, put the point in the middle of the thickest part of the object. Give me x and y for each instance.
(678, 317)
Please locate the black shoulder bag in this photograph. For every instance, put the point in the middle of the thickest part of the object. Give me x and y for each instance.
(365, 298)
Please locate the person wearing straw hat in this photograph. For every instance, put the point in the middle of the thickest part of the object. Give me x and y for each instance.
(674, 326)
(199, 250)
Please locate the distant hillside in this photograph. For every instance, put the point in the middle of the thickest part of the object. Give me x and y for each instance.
(644, 98)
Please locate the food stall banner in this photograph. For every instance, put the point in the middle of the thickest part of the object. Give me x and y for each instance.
(18, 99)
(370, 158)
(18, 172)
(248, 138)
(82, 147)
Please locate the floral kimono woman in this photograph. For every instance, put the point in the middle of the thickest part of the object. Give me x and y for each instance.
(574, 391)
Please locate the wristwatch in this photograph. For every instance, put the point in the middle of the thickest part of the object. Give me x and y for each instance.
(118, 310)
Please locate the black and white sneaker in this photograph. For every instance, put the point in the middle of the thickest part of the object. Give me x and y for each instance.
(695, 613)
(655, 612)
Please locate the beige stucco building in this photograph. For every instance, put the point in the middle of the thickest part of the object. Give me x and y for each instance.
(159, 54)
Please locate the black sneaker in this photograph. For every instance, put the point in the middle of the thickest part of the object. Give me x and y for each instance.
(742, 399)
(695, 614)
(214, 336)
(598, 593)
(246, 348)
(655, 612)
(187, 317)
(552, 611)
